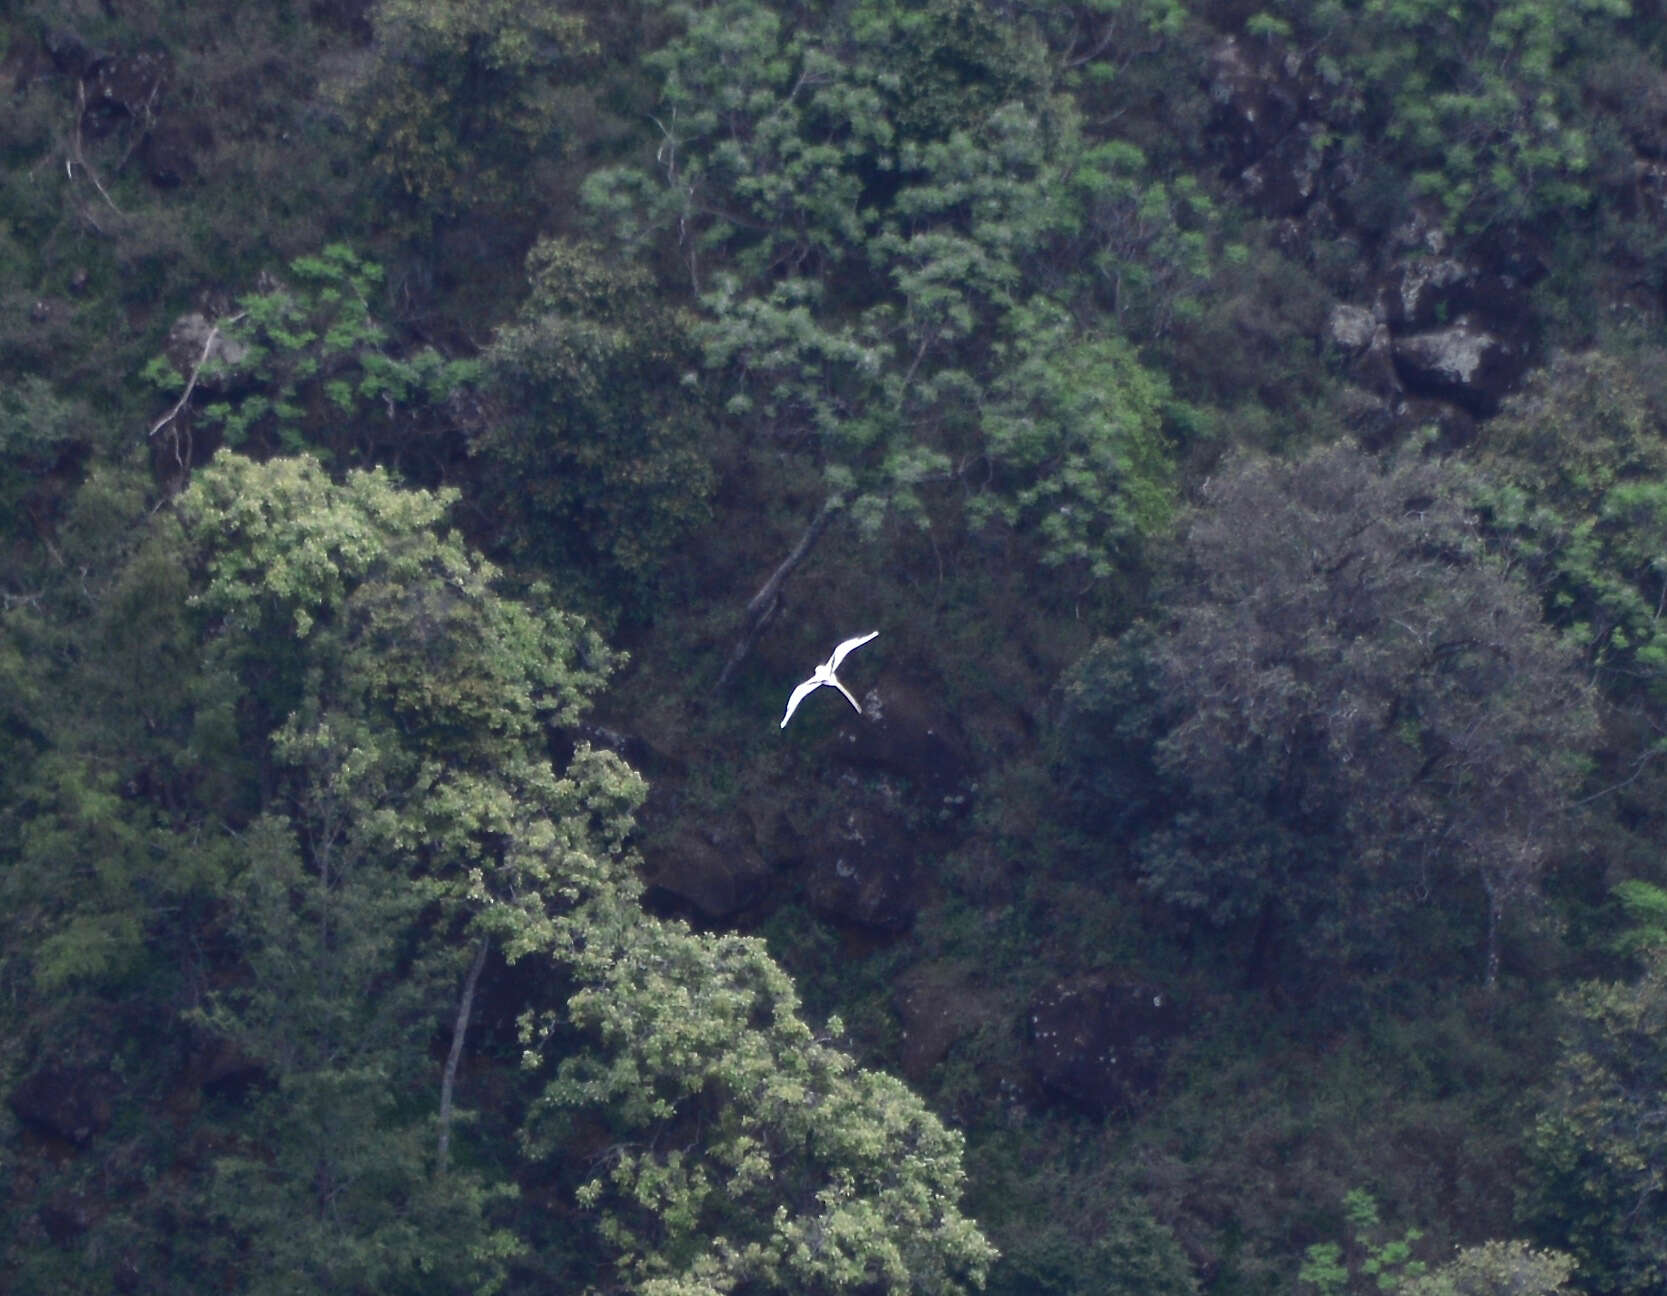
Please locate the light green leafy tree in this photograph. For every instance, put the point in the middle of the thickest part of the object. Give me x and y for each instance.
(750, 1154)
(306, 364)
(1498, 1269)
(872, 203)
(415, 816)
(404, 703)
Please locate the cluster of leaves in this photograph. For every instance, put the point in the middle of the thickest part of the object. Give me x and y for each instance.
(1381, 1263)
(1388, 1262)
(308, 365)
(873, 211)
(40, 431)
(1475, 100)
(595, 455)
(1598, 1149)
(1354, 708)
(458, 99)
(1577, 463)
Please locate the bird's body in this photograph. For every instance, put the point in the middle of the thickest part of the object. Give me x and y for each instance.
(824, 674)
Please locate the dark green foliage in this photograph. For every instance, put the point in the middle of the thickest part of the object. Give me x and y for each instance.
(334, 1188)
(595, 456)
(456, 99)
(322, 919)
(1127, 1253)
(1361, 712)
(117, 749)
(41, 434)
(1597, 1146)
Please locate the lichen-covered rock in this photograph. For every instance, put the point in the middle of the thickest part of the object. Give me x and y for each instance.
(1351, 328)
(194, 344)
(863, 872)
(1465, 362)
(1269, 122)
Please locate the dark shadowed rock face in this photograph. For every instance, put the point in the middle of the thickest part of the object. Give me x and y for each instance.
(171, 149)
(937, 1006)
(124, 86)
(70, 55)
(717, 871)
(1260, 95)
(656, 765)
(901, 732)
(70, 1103)
(219, 1069)
(708, 871)
(1101, 1041)
(864, 872)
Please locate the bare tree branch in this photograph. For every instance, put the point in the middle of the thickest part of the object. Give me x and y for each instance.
(191, 383)
(764, 605)
(77, 157)
(449, 1077)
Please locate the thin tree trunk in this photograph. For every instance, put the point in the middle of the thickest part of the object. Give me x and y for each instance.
(764, 605)
(458, 1032)
(1495, 907)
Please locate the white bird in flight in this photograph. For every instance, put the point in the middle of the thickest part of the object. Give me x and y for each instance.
(825, 675)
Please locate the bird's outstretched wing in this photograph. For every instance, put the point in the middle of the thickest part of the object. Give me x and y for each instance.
(839, 653)
(799, 695)
(847, 692)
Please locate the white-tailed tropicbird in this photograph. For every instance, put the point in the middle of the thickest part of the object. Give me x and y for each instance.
(825, 675)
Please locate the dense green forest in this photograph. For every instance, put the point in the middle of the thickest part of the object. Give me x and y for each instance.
(436, 436)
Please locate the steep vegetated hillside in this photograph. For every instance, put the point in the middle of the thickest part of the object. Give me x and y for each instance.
(439, 434)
